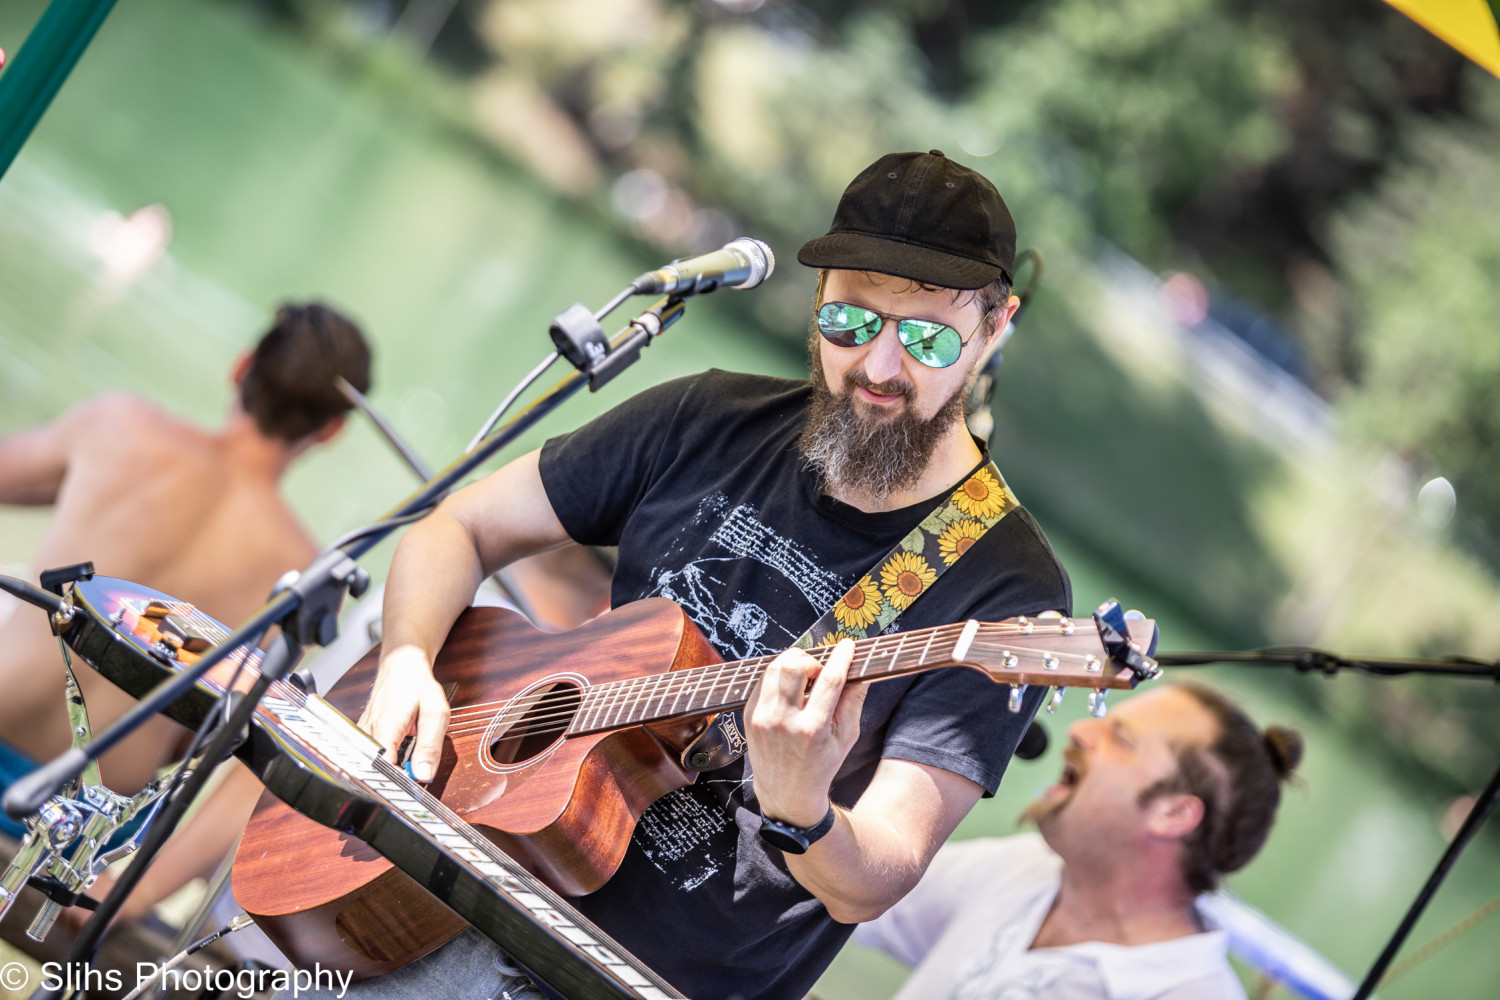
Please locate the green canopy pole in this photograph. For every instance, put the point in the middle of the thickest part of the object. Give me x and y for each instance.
(30, 81)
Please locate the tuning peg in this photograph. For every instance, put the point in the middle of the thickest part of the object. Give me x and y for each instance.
(1050, 661)
(1017, 692)
(1097, 708)
(1055, 702)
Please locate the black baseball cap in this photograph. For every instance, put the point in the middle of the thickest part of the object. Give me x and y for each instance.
(920, 216)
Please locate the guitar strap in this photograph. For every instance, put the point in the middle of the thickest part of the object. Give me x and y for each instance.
(878, 598)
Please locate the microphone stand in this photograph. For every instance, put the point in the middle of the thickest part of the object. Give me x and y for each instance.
(508, 586)
(1306, 660)
(307, 607)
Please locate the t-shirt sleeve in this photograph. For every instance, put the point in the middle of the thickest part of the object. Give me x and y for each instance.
(596, 475)
(958, 719)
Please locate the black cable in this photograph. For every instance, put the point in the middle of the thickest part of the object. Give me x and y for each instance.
(389, 524)
(35, 596)
(509, 401)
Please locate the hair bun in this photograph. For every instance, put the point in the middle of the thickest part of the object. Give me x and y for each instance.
(1285, 748)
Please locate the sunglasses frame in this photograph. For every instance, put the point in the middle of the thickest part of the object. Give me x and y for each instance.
(963, 341)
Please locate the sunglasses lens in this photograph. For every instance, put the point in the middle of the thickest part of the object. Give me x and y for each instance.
(846, 325)
(934, 344)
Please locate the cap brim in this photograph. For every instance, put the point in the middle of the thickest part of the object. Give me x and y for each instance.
(862, 252)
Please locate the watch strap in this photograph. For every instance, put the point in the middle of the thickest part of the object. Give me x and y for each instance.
(795, 839)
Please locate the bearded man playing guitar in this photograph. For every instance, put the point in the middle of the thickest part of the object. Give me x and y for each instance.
(756, 504)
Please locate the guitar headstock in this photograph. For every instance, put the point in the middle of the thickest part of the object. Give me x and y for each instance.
(1108, 651)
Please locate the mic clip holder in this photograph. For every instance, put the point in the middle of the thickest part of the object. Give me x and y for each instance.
(579, 338)
(320, 592)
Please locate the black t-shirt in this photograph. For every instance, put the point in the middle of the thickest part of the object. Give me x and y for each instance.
(700, 484)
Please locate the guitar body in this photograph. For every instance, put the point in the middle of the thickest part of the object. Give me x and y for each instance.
(563, 808)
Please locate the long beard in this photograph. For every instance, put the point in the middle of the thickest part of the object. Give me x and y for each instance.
(867, 454)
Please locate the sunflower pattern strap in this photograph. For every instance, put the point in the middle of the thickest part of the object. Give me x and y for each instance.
(878, 598)
(872, 604)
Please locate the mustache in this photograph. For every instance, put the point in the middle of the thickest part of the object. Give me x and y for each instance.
(1073, 758)
(854, 378)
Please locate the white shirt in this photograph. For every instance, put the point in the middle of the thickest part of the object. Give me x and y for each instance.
(967, 930)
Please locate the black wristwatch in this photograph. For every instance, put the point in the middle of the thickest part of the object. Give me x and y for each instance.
(794, 839)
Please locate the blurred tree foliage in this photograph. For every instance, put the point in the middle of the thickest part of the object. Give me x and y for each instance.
(1418, 259)
(1223, 135)
(1331, 163)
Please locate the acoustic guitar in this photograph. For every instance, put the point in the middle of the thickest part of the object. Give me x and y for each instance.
(558, 742)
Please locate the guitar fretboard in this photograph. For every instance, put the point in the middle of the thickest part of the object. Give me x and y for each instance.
(720, 687)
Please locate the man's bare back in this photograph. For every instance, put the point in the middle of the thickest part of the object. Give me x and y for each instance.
(147, 497)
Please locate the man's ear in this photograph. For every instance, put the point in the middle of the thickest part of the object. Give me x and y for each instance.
(327, 432)
(1003, 314)
(241, 369)
(1173, 817)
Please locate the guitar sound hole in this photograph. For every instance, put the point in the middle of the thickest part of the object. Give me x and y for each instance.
(535, 722)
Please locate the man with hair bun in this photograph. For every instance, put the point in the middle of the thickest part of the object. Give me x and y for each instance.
(198, 514)
(1172, 790)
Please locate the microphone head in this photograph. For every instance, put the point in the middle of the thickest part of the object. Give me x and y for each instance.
(762, 260)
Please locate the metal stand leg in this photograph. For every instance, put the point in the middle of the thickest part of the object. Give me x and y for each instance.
(1483, 806)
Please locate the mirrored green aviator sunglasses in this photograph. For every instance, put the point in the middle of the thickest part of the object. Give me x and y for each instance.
(934, 344)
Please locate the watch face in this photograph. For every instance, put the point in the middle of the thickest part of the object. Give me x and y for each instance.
(782, 837)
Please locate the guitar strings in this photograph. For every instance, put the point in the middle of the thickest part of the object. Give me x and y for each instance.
(218, 632)
(605, 698)
(612, 694)
(677, 681)
(571, 702)
(600, 700)
(565, 704)
(674, 684)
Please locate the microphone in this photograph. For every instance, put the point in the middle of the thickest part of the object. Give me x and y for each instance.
(742, 263)
(1033, 743)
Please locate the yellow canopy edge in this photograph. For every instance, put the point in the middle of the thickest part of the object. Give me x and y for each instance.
(1467, 25)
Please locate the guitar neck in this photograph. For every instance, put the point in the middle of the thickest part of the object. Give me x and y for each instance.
(722, 687)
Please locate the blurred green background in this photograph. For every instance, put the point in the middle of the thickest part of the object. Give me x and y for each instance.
(1254, 397)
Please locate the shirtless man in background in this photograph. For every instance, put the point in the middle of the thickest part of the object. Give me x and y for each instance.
(197, 514)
